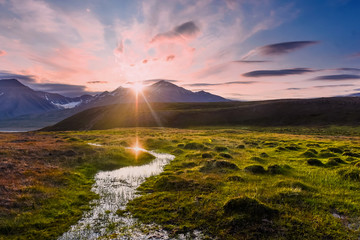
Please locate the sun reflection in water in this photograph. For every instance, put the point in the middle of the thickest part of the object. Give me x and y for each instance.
(137, 147)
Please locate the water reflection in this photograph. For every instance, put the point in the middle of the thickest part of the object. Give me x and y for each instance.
(116, 188)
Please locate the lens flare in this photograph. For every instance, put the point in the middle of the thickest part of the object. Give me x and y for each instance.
(137, 87)
(137, 148)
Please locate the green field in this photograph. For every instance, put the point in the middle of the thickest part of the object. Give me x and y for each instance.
(228, 182)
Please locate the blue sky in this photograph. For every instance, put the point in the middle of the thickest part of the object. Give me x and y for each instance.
(240, 49)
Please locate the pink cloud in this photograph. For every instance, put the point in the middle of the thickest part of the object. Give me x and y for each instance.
(2, 53)
(170, 58)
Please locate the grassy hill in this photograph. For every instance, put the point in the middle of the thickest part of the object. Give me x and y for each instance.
(285, 112)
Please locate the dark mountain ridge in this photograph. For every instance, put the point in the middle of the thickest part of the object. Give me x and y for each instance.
(285, 112)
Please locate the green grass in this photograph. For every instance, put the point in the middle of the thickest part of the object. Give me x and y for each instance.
(193, 194)
(57, 199)
(213, 186)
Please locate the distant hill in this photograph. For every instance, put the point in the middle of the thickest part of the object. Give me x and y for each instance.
(288, 112)
(20, 102)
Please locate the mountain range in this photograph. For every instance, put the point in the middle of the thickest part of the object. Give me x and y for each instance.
(21, 103)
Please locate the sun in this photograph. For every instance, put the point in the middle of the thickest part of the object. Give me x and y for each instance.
(137, 87)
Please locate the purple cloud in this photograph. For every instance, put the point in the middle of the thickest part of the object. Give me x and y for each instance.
(337, 77)
(219, 84)
(281, 72)
(279, 48)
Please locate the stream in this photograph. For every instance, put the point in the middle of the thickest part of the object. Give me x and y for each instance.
(116, 188)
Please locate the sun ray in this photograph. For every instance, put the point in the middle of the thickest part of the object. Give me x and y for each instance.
(153, 113)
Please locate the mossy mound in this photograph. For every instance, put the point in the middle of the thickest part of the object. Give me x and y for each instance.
(280, 149)
(206, 155)
(241, 146)
(292, 148)
(315, 162)
(174, 183)
(351, 154)
(255, 169)
(276, 169)
(221, 149)
(264, 155)
(189, 164)
(225, 155)
(257, 159)
(338, 160)
(215, 165)
(194, 146)
(271, 144)
(335, 150)
(250, 207)
(235, 179)
(312, 150)
(309, 154)
(326, 155)
(177, 152)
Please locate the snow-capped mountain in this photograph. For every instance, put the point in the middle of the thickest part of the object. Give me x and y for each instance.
(17, 99)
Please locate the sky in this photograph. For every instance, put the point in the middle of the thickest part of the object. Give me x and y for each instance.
(239, 49)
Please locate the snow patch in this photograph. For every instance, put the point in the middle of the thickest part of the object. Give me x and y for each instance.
(67, 105)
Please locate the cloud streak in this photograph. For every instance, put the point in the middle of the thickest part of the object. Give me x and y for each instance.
(63, 89)
(279, 48)
(281, 72)
(97, 82)
(22, 78)
(250, 61)
(334, 86)
(320, 87)
(348, 69)
(337, 77)
(220, 84)
(2, 52)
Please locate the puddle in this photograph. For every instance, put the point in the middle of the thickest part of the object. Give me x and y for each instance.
(116, 188)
